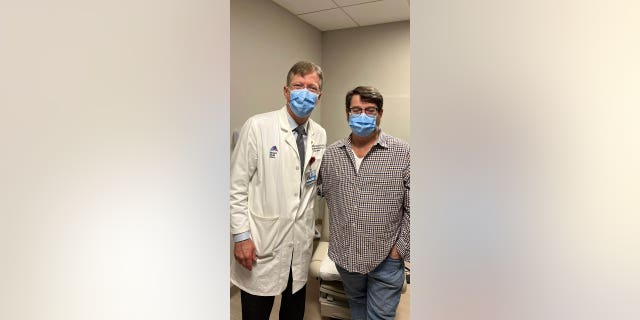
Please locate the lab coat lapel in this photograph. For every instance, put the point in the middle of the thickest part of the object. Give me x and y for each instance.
(286, 130)
(311, 141)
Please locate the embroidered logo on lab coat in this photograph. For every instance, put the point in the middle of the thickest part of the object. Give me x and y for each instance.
(273, 152)
(317, 147)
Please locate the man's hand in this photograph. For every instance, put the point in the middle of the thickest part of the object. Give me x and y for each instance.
(245, 253)
(394, 253)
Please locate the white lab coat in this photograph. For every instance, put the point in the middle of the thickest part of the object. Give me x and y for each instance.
(269, 198)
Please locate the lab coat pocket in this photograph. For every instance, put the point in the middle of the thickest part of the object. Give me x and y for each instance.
(264, 231)
(265, 258)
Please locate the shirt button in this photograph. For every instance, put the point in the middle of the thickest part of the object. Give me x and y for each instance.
(297, 167)
(295, 194)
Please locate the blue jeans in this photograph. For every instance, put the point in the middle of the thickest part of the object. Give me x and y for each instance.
(374, 295)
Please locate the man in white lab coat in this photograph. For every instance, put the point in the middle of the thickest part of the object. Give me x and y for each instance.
(274, 167)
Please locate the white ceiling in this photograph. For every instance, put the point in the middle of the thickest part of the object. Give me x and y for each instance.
(339, 14)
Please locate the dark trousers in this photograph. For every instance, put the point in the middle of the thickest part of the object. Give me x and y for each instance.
(259, 307)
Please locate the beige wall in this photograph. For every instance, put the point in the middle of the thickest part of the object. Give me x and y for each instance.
(375, 55)
(266, 40)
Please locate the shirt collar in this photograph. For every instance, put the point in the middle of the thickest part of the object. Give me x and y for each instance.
(383, 140)
(293, 124)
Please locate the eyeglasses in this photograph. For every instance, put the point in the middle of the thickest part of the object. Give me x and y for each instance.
(371, 111)
(312, 88)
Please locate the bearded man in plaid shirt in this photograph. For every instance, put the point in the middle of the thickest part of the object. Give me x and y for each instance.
(365, 179)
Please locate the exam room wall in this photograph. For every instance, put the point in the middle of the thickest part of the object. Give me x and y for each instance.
(373, 55)
(266, 40)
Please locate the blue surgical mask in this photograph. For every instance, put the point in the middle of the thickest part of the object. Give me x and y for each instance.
(302, 102)
(362, 125)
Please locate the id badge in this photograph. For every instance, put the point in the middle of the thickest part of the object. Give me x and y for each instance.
(310, 177)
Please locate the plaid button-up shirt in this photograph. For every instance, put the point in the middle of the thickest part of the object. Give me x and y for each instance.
(368, 208)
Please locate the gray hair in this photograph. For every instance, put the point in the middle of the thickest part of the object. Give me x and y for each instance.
(303, 68)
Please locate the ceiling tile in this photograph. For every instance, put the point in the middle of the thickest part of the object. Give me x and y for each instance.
(305, 6)
(379, 12)
(328, 20)
(343, 3)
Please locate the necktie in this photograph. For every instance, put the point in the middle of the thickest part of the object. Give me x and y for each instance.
(300, 142)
